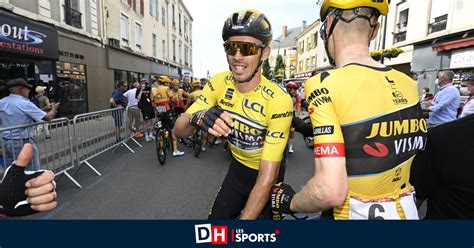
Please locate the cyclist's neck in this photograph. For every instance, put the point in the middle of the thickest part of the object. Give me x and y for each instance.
(251, 85)
(354, 53)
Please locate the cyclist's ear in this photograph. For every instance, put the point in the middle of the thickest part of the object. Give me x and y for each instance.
(265, 53)
(25, 155)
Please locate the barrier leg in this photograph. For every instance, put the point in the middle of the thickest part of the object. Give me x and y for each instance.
(72, 179)
(92, 168)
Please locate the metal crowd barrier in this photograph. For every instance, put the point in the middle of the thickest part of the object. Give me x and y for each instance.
(97, 132)
(52, 146)
(134, 124)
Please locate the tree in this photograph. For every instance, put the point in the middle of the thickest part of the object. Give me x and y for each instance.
(267, 72)
(279, 70)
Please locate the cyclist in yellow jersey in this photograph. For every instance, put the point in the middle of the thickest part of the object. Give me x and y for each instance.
(193, 96)
(252, 112)
(160, 96)
(178, 96)
(367, 125)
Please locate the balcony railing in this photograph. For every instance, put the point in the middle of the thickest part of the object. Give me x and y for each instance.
(439, 24)
(72, 17)
(399, 37)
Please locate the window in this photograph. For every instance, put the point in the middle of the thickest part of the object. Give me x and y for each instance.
(307, 63)
(138, 4)
(301, 66)
(163, 16)
(154, 9)
(400, 32)
(439, 16)
(138, 35)
(163, 49)
(124, 29)
(72, 13)
(179, 20)
(174, 19)
(315, 39)
(313, 62)
(302, 46)
(186, 51)
(153, 45)
(180, 56)
(185, 26)
(284, 52)
(174, 50)
(308, 41)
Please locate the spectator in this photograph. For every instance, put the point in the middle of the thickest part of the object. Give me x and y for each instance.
(446, 102)
(118, 100)
(16, 109)
(424, 93)
(133, 112)
(468, 107)
(442, 173)
(42, 102)
(144, 103)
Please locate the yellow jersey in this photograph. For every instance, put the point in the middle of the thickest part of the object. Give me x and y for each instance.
(262, 117)
(193, 96)
(372, 117)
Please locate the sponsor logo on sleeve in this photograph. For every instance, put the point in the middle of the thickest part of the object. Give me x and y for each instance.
(319, 97)
(282, 115)
(323, 130)
(329, 150)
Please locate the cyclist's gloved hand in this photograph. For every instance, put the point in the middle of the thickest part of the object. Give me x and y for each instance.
(12, 191)
(205, 119)
(281, 196)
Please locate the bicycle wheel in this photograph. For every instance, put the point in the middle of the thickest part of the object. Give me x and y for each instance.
(161, 147)
(308, 140)
(197, 141)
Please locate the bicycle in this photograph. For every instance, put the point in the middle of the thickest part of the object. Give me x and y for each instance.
(197, 142)
(163, 139)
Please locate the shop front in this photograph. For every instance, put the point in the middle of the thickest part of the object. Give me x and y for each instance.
(128, 67)
(28, 50)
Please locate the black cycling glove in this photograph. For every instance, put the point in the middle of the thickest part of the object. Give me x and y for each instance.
(281, 197)
(12, 191)
(205, 119)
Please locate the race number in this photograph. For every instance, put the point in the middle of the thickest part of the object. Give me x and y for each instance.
(382, 210)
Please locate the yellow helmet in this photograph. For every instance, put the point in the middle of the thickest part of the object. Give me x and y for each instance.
(164, 79)
(174, 82)
(380, 5)
(196, 83)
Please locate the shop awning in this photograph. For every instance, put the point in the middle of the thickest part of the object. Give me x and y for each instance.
(466, 42)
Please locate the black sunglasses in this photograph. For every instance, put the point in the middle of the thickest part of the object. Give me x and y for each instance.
(245, 48)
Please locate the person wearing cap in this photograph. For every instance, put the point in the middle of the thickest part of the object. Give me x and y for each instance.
(367, 125)
(253, 113)
(43, 103)
(16, 109)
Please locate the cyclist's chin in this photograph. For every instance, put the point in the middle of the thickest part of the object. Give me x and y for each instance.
(241, 76)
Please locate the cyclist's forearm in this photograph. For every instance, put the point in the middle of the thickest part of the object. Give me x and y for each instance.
(256, 201)
(259, 195)
(182, 128)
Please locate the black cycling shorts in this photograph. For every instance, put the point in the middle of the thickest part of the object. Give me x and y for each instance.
(166, 120)
(235, 190)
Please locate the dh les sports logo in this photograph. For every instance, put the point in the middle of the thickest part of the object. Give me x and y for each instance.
(220, 235)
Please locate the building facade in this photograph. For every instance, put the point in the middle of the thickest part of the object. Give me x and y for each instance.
(80, 49)
(307, 52)
(434, 35)
(285, 45)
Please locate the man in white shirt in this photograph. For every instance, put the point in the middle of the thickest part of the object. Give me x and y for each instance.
(133, 113)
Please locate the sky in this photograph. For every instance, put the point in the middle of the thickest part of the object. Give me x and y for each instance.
(209, 17)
